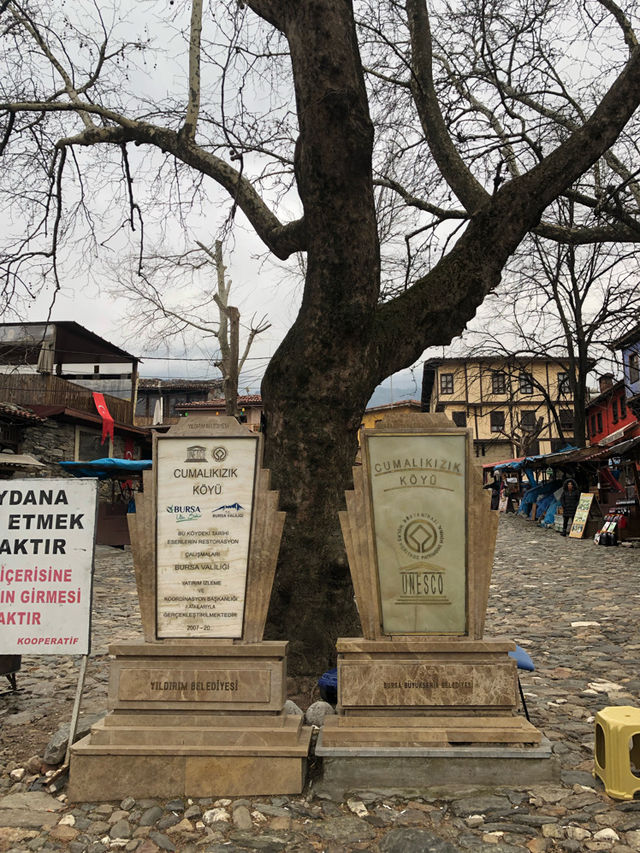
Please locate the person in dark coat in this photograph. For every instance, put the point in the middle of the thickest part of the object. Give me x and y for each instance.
(569, 502)
(495, 486)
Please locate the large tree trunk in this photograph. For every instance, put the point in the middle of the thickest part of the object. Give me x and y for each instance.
(312, 424)
(318, 383)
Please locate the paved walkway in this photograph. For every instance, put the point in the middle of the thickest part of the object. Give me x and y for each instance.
(574, 606)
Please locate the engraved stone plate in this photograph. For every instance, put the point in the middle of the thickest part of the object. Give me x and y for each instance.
(195, 685)
(205, 495)
(414, 683)
(418, 497)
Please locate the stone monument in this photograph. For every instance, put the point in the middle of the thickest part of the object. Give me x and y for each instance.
(196, 709)
(423, 697)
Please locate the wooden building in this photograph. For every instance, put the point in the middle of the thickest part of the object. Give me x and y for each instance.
(515, 406)
(249, 408)
(609, 418)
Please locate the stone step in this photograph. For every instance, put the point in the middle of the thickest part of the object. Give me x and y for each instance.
(195, 720)
(431, 721)
(193, 736)
(434, 731)
(295, 749)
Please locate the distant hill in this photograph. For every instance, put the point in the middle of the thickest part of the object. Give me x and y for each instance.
(382, 394)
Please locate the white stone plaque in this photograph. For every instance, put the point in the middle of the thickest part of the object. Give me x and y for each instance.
(418, 498)
(205, 494)
(47, 535)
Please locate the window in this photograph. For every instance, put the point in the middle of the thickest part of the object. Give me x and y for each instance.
(623, 408)
(563, 384)
(9, 437)
(599, 417)
(446, 383)
(614, 411)
(566, 420)
(497, 421)
(498, 382)
(88, 445)
(634, 368)
(593, 425)
(459, 418)
(526, 383)
(528, 420)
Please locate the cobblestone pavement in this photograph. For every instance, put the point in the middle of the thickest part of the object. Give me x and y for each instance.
(574, 606)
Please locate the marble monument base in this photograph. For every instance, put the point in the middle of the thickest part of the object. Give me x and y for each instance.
(196, 719)
(423, 676)
(412, 771)
(416, 713)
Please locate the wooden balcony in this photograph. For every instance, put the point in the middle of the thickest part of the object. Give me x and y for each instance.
(36, 389)
(147, 420)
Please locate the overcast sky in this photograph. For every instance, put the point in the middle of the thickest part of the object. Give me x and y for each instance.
(261, 285)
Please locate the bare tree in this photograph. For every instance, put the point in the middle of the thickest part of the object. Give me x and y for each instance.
(478, 130)
(155, 289)
(565, 301)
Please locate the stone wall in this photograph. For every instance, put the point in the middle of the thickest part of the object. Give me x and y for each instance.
(53, 441)
(50, 442)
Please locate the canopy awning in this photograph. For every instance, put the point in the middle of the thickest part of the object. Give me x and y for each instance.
(19, 460)
(542, 460)
(502, 464)
(107, 467)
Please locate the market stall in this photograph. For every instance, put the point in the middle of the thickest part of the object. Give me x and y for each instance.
(125, 479)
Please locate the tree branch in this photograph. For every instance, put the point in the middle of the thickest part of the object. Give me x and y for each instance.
(193, 106)
(272, 11)
(623, 22)
(418, 203)
(587, 143)
(438, 305)
(453, 168)
(282, 240)
(20, 15)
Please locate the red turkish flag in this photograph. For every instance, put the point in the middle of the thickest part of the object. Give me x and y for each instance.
(107, 420)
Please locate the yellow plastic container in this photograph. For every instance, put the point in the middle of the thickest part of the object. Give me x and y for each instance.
(617, 750)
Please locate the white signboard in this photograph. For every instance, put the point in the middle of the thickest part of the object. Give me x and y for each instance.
(418, 497)
(204, 493)
(47, 535)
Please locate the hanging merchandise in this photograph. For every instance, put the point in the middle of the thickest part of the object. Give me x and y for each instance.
(608, 533)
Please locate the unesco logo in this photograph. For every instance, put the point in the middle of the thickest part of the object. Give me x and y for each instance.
(219, 454)
(420, 536)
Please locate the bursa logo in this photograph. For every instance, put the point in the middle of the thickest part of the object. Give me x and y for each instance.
(183, 509)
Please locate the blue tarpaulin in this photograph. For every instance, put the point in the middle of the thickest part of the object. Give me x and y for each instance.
(550, 514)
(518, 464)
(107, 467)
(535, 494)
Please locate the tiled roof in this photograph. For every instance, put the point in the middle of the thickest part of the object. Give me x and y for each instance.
(246, 400)
(69, 414)
(18, 413)
(607, 393)
(397, 405)
(145, 384)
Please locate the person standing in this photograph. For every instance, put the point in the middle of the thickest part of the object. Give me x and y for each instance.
(495, 486)
(569, 502)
